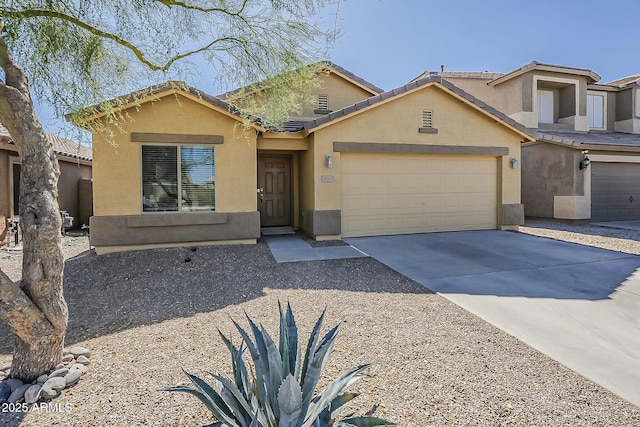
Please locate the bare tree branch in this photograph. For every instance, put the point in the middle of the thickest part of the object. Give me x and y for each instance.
(14, 76)
(114, 37)
(21, 314)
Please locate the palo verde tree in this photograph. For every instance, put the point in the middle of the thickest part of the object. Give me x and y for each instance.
(75, 53)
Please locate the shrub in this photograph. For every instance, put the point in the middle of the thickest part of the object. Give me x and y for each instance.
(277, 388)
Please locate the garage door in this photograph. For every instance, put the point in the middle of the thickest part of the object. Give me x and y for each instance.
(400, 194)
(615, 191)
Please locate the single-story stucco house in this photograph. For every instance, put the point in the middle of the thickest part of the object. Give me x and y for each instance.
(424, 157)
(74, 183)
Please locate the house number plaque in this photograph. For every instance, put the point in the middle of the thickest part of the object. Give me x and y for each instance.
(327, 178)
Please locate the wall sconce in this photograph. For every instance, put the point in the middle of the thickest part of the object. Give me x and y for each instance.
(514, 163)
(329, 158)
(584, 163)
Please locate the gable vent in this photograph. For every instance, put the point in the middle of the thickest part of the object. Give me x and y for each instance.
(427, 119)
(323, 102)
(427, 122)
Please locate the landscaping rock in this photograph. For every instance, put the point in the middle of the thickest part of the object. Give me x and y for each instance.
(73, 376)
(18, 393)
(59, 366)
(80, 367)
(14, 383)
(32, 395)
(42, 379)
(47, 392)
(83, 359)
(67, 358)
(65, 351)
(56, 383)
(80, 351)
(59, 372)
(5, 391)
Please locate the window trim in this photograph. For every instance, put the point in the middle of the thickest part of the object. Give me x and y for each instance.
(179, 175)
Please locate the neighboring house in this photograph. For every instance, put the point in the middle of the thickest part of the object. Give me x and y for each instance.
(74, 184)
(424, 157)
(573, 118)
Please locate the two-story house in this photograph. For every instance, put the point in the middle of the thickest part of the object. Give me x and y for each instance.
(585, 163)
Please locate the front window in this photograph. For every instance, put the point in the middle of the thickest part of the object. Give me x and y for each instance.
(178, 178)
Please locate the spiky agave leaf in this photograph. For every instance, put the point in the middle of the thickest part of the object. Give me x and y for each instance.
(290, 403)
(210, 398)
(267, 393)
(314, 369)
(362, 422)
(240, 371)
(259, 363)
(289, 342)
(330, 392)
(275, 375)
(234, 398)
(311, 345)
(332, 411)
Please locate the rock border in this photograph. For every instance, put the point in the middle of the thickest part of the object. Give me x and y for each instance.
(50, 384)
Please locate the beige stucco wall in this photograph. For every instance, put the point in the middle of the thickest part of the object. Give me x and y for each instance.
(340, 92)
(117, 165)
(398, 121)
(68, 189)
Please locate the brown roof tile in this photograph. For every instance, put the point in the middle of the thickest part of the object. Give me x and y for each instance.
(61, 146)
(624, 81)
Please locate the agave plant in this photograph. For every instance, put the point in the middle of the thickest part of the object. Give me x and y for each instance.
(277, 388)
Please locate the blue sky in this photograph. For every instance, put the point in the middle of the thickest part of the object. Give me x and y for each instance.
(389, 42)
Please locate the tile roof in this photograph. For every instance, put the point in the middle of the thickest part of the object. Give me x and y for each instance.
(61, 146)
(335, 67)
(600, 139)
(170, 85)
(310, 125)
(624, 81)
(488, 75)
(534, 65)
(354, 77)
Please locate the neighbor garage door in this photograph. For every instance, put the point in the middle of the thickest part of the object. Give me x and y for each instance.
(615, 191)
(400, 194)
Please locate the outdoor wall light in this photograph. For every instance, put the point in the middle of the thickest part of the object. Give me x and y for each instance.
(584, 163)
(514, 163)
(329, 158)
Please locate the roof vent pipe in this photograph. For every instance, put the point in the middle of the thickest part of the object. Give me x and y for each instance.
(441, 72)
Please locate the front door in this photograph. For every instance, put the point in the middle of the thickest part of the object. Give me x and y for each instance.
(274, 191)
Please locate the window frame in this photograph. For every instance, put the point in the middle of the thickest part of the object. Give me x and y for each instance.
(178, 147)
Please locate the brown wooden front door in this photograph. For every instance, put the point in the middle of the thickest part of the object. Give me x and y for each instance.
(274, 191)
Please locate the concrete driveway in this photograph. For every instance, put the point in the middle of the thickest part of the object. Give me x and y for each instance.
(577, 304)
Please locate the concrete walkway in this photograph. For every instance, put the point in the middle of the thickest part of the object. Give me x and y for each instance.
(294, 249)
(577, 304)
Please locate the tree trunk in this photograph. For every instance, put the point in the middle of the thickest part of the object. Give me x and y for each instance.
(34, 308)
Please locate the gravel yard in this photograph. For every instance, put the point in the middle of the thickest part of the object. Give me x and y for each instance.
(145, 315)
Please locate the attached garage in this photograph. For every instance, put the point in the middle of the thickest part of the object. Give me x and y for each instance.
(615, 191)
(422, 158)
(402, 194)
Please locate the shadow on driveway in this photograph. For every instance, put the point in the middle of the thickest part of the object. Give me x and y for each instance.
(504, 264)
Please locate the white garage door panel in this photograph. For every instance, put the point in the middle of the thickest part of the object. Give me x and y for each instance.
(399, 194)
